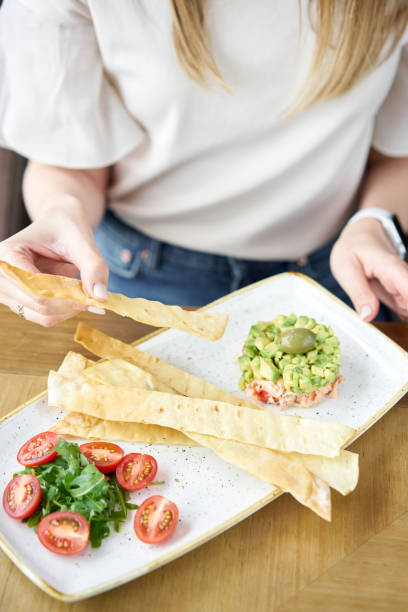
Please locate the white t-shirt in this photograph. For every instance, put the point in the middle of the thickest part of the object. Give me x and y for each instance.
(96, 83)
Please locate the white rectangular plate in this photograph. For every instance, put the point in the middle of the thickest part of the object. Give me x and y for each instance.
(211, 494)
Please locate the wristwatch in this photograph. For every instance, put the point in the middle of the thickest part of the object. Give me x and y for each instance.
(391, 225)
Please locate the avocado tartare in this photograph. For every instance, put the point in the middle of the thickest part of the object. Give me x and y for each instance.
(290, 361)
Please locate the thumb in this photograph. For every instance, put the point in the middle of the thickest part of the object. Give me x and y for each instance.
(351, 277)
(93, 269)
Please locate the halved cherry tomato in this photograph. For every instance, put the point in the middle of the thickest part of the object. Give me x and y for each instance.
(136, 471)
(155, 519)
(22, 496)
(106, 456)
(39, 449)
(64, 532)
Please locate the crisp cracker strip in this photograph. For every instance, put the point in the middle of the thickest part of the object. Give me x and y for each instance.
(123, 373)
(85, 426)
(288, 474)
(340, 473)
(205, 325)
(258, 427)
(182, 382)
(74, 365)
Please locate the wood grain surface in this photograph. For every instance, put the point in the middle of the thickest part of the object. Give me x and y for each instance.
(282, 558)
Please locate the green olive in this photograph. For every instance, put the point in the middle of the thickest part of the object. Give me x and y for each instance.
(297, 340)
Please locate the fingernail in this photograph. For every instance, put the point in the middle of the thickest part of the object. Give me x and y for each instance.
(96, 310)
(365, 312)
(100, 291)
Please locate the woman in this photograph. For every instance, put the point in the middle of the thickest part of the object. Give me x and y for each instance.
(218, 142)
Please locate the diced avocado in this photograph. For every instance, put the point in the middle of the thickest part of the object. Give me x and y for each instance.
(305, 384)
(241, 382)
(290, 320)
(288, 376)
(283, 362)
(244, 362)
(279, 320)
(322, 359)
(255, 365)
(310, 324)
(301, 321)
(299, 359)
(250, 350)
(261, 342)
(269, 350)
(333, 341)
(327, 348)
(263, 325)
(317, 371)
(268, 370)
(311, 356)
(253, 331)
(248, 376)
(321, 332)
(303, 371)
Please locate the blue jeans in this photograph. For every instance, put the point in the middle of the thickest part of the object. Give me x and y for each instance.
(141, 266)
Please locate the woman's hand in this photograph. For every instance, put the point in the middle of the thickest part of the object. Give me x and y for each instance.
(60, 242)
(366, 266)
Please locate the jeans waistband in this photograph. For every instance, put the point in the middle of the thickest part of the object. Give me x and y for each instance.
(153, 251)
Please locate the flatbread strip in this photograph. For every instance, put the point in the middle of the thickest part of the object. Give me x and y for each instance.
(76, 366)
(219, 419)
(182, 382)
(340, 473)
(288, 474)
(122, 373)
(85, 426)
(205, 325)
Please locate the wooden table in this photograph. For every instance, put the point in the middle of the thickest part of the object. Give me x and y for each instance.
(281, 558)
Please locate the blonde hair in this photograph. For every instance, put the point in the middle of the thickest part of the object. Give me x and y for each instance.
(352, 37)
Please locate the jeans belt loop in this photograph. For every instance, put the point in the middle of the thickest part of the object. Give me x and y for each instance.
(237, 270)
(153, 258)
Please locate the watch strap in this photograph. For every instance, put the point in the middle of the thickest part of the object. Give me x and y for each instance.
(391, 226)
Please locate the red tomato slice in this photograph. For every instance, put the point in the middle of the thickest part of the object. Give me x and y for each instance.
(155, 519)
(39, 449)
(136, 471)
(106, 456)
(64, 532)
(22, 496)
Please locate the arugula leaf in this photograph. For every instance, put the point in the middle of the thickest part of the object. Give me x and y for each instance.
(99, 530)
(89, 478)
(70, 482)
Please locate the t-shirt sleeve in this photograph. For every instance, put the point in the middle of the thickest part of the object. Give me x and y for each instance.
(391, 125)
(57, 104)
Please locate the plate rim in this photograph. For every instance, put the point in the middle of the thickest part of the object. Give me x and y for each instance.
(178, 552)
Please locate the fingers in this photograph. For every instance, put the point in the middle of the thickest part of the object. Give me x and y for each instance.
(46, 320)
(20, 260)
(40, 310)
(350, 275)
(51, 266)
(93, 268)
(391, 284)
(61, 244)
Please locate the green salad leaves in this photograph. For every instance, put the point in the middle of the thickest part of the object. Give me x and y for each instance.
(70, 482)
